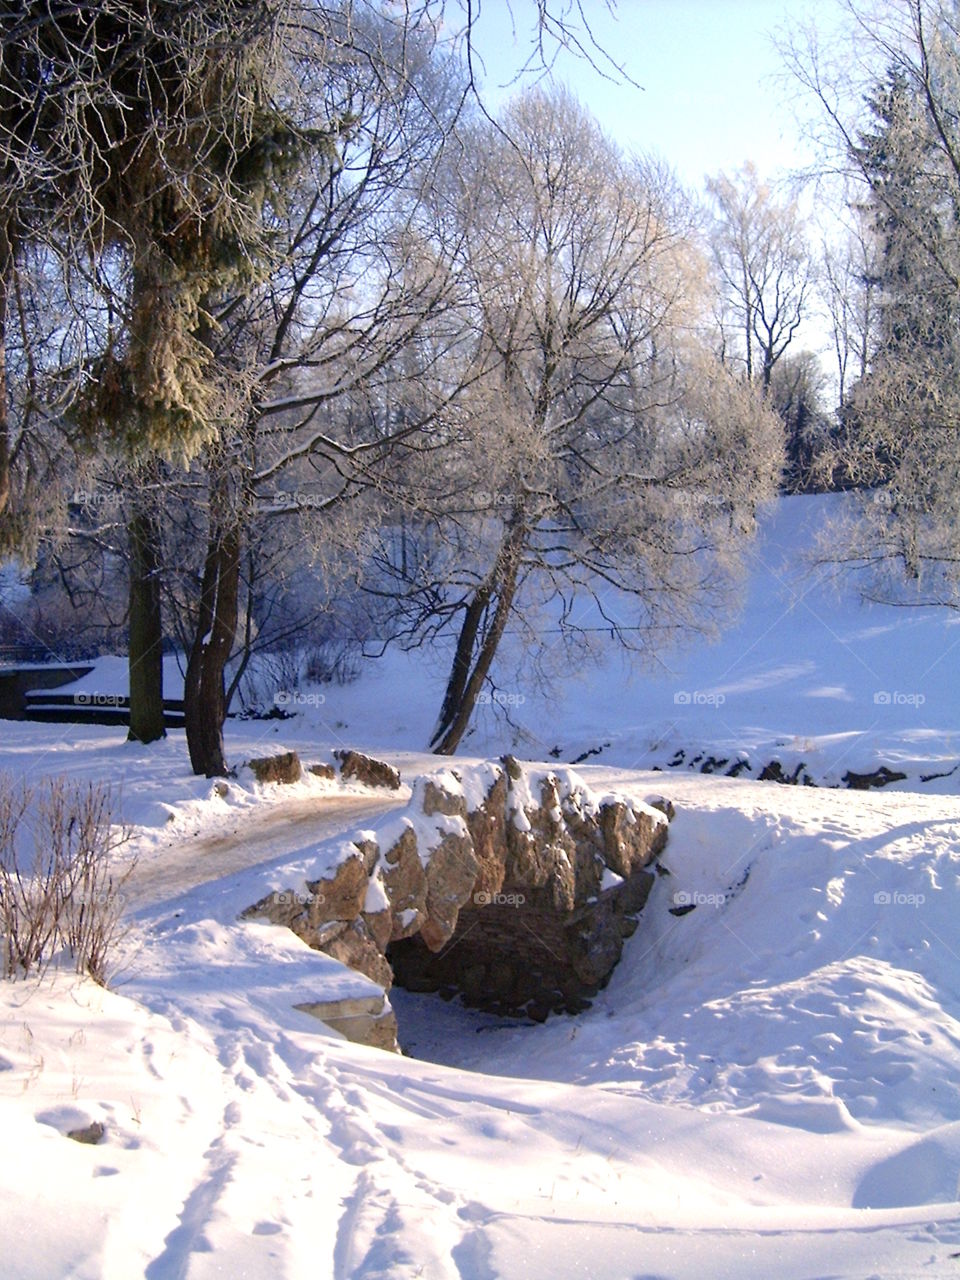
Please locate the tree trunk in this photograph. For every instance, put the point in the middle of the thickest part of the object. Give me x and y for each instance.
(766, 371)
(748, 305)
(204, 697)
(146, 631)
(465, 684)
(460, 672)
(6, 262)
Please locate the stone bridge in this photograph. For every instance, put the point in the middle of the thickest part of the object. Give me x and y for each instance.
(514, 885)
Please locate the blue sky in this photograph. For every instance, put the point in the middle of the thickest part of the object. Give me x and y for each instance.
(713, 92)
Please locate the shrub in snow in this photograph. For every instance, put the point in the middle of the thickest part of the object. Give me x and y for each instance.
(58, 892)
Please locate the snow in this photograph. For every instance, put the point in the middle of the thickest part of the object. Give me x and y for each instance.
(805, 674)
(429, 829)
(152, 786)
(768, 1087)
(376, 898)
(811, 898)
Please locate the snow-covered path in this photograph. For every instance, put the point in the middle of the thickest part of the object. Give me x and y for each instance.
(286, 827)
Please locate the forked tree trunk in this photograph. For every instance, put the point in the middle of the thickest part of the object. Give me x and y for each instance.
(145, 658)
(204, 696)
(469, 673)
(462, 660)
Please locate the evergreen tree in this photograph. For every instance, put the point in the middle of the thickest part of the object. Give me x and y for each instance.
(899, 439)
(912, 209)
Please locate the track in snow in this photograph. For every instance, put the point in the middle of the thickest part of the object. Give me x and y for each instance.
(280, 830)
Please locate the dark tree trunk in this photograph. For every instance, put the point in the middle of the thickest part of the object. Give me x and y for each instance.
(146, 631)
(6, 262)
(204, 697)
(460, 672)
(466, 681)
(766, 373)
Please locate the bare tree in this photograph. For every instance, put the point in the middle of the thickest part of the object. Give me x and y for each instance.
(765, 271)
(315, 345)
(848, 288)
(599, 454)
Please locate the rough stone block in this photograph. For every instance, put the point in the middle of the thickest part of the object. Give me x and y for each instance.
(282, 768)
